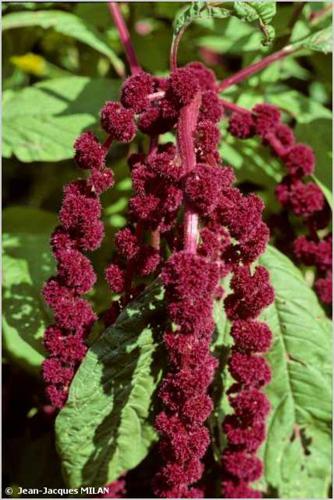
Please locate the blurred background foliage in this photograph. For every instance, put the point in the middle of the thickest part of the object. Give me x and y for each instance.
(61, 62)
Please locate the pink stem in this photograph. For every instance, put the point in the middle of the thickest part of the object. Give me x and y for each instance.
(190, 230)
(155, 235)
(125, 37)
(255, 68)
(319, 14)
(185, 140)
(232, 107)
(107, 142)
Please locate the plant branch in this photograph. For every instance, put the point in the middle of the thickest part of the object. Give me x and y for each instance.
(124, 36)
(230, 106)
(174, 49)
(185, 141)
(154, 235)
(256, 67)
(317, 16)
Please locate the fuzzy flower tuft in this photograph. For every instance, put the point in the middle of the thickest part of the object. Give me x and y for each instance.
(135, 91)
(115, 278)
(241, 125)
(89, 153)
(266, 117)
(118, 121)
(184, 85)
(300, 160)
(202, 188)
(252, 293)
(206, 77)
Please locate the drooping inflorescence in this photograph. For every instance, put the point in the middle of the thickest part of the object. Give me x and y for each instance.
(184, 203)
(301, 197)
(80, 231)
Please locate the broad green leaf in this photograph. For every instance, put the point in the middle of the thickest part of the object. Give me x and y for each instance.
(297, 451)
(104, 428)
(263, 12)
(68, 24)
(27, 263)
(321, 41)
(41, 122)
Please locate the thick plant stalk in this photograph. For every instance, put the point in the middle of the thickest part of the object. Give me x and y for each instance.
(185, 134)
(125, 37)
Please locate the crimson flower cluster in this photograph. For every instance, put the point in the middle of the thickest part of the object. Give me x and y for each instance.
(301, 197)
(80, 231)
(231, 237)
(185, 194)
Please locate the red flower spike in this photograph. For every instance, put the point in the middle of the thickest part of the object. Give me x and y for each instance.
(241, 125)
(147, 260)
(211, 107)
(61, 240)
(55, 372)
(251, 336)
(57, 396)
(207, 138)
(135, 91)
(266, 117)
(202, 188)
(250, 405)
(90, 234)
(66, 346)
(75, 271)
(242, 466)
(205, 77)
(300, 160)
(118, 122)
(243, 437)
(127, 243)
(74, 313)
(183, 85)
(249, 370)
(251, 293)
(101, 180)
(115, 278)
(79, 206)
(280, 139)
(238, 489)
(89, 153)
(324, 287)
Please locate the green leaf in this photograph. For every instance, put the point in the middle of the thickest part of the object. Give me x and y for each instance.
(104, 428)
(198, 10)
(321, 41)
(236, 36)
(263, 12)
(297, 451)
(41, 122)
(27, 263)
(326, 192)
(68, 24)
